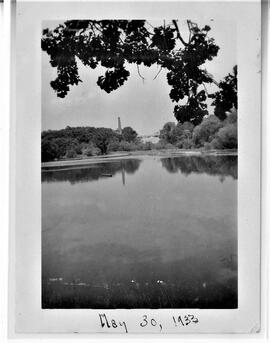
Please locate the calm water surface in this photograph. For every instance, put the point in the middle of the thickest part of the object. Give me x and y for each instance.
(158, 233)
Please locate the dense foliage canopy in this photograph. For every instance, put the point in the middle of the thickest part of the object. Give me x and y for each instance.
(129, 134)
(73, 141)
(114, 43)
(226, 97)
(211, 133)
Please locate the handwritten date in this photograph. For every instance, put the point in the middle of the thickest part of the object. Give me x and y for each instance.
(147, 322)
(185, 320)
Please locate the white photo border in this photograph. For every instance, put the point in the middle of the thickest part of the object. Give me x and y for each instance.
(26, 315)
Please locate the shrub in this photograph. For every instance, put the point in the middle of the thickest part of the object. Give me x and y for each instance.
(231, 117)
(169, 146)
(114, 146)
(129, 134)
(71, 153)
(97, 151)
(89, 152)
(207, 146)
(216, 144)
(92, 150)
(148, 146)
(162, 145)
(187, 126)
(228, 136)
(186, 143)
(48, 151)
(124, 146)
(206, 130)
(78, 149)
(172, 133)
(168, 132)
(140, 146)
(134, 146)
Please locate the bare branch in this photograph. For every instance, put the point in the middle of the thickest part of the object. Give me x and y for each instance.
(164, 38)
(205, 89)
(189, 27)
(95, 25)
(148, 30)
(93, 29)
(178, 33)
(157, 73)
(138, 69)
(211, 77)
(150, 24)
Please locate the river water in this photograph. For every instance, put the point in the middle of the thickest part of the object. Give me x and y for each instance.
(146, 232)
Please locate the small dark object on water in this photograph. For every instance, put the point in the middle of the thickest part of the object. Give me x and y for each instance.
(107, 175)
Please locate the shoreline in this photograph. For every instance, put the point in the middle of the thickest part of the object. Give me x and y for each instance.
(130, 154)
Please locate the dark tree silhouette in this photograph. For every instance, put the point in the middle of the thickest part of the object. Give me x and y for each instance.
(226, 97)
(113, 43)
(167, 132)
(69, 141)
(129, 134)
(103, 138)
(49, 150)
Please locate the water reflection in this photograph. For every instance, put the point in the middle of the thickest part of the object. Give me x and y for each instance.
(91, 172)
(162, 241)
(212, 165)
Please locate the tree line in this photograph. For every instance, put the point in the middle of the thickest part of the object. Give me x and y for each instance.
(72, 142)
(218, 131)
(211, 133)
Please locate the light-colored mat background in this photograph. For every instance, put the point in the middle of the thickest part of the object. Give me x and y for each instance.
(26, 229)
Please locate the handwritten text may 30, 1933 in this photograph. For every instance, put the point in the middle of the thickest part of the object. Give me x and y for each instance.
(146, 321)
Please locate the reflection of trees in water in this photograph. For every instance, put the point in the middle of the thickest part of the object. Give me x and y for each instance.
(91, 173)
(211, 165)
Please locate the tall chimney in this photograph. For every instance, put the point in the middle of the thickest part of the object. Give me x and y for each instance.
(119, 126)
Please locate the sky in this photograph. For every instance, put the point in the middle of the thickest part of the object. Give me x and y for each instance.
(143, 105)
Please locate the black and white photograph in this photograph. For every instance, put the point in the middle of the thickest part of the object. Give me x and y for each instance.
(139, 164)
(135, 176)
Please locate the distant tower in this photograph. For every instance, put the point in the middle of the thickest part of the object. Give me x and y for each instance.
(119, 126)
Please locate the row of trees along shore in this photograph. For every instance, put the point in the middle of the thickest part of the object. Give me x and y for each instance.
(74, 142)
(113, 44)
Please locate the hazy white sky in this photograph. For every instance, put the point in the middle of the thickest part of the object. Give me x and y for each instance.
(145, 106)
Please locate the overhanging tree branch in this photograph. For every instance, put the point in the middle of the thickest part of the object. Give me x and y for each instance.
(205, 88)
(211, 77)
(189, 27)
(178, 33)
(114, 44)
